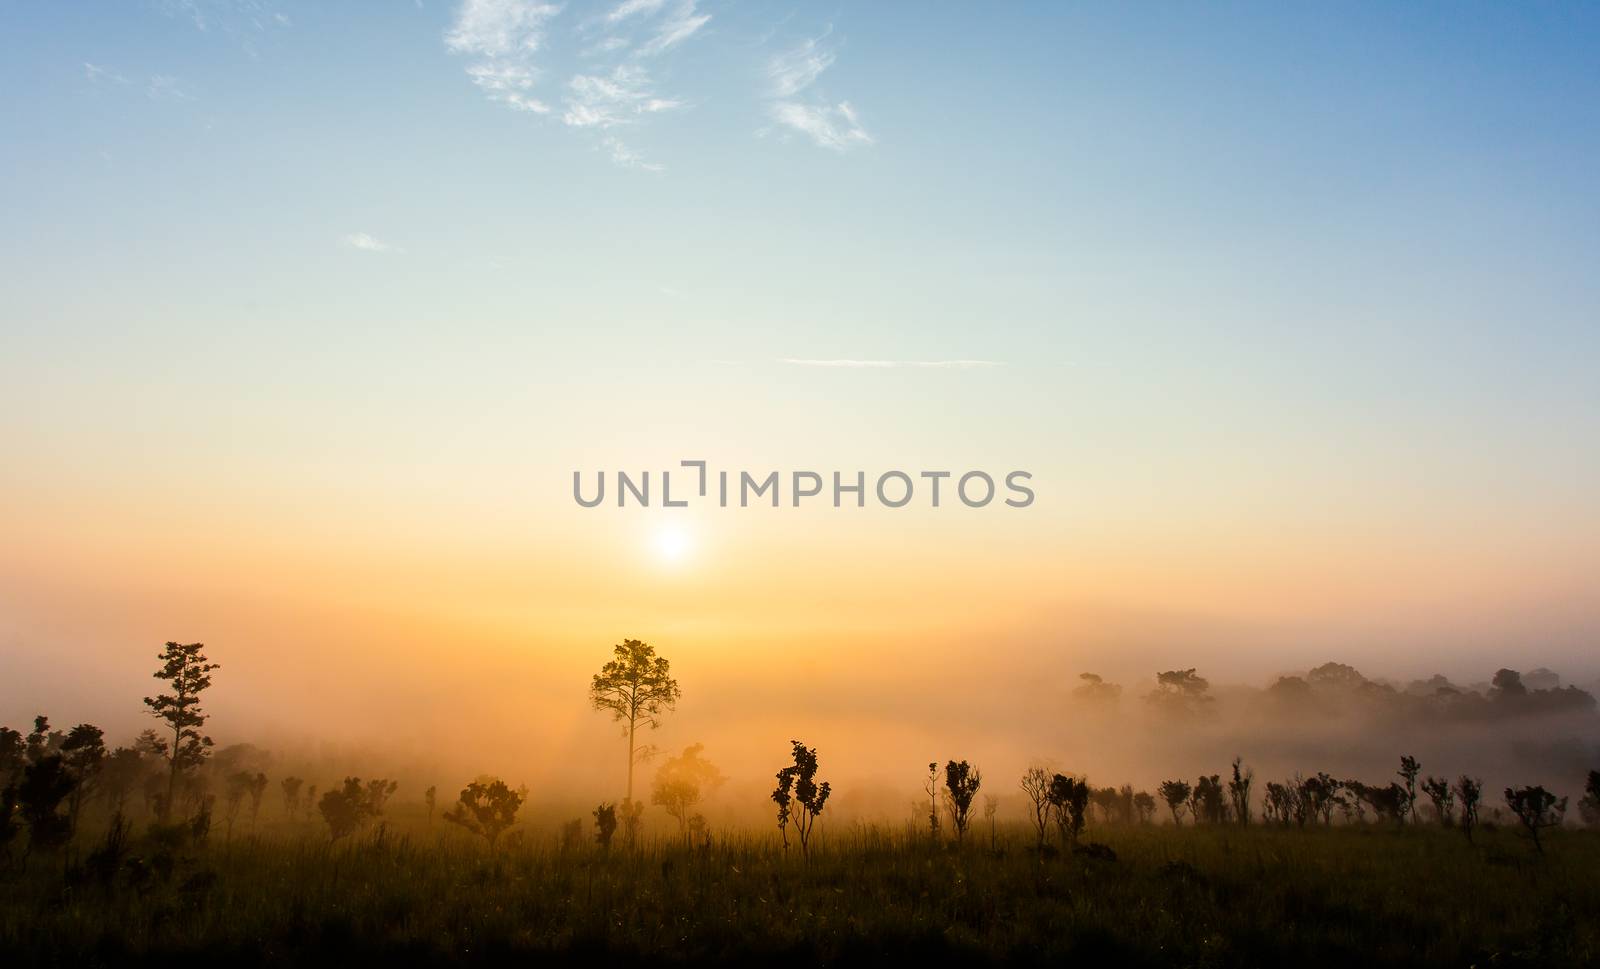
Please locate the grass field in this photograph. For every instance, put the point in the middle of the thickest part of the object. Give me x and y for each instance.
(1220, 896)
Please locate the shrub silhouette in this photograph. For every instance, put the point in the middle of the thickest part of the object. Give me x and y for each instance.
(1278, 804)
(291, 795)
(799, 797)
(682, 781)
(1438, 791)
(1208, 803)
(352, 805)
(487, 808)
(46, 783)
(1176, 794)
(1239, 790)
(1409, 768)
(1589, 806)
(1069, 799)
(1536, 808)
(961, 782)
(605, 825)
(1036, 784)
(1469, 791)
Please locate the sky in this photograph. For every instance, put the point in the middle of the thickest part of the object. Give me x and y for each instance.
(309, 312)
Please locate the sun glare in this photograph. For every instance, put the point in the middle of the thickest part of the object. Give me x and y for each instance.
(673, 544)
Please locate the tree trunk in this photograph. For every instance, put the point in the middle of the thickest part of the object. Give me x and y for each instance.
(631, 748)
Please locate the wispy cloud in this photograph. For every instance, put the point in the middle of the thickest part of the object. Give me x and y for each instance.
(894, 364)
(629, 8)
(367, 243)
(621, 97)
(626, 157)
(683, 23)
(164, 87)
(790, 75)
(506, 41)
(502, 37)
(96, 73)
(794, 70)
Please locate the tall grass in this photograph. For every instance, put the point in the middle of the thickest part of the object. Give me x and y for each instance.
(1209, 896)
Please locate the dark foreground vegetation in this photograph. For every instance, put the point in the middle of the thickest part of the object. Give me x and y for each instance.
(1141, 895)
(167, 852)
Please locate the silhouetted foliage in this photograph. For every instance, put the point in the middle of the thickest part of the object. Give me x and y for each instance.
(430, 800)
(682, 781)
(1036, 784)
(1069, 800)
(291, 787)
(487, 807)
(1438, 791)
(1208, 803)
(799, 797)
(1181, 692)
(1239, 790)
(1409, 769)
(961, 782)
(605, 825)
(46, 784)
(1176, 794)
(1589, 806)
(188, 672)
(636, 688)
(931, 788)
(1278, 804)
(1145, 807)
(1537, 809)
(350, 806)
(1469, 791)
(1094, 689)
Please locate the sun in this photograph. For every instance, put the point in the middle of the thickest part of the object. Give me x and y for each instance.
(673, 544)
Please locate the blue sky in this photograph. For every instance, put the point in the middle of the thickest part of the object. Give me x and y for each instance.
(1325, 267)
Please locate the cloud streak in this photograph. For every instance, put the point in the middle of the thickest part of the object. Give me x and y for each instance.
(847, 364)
(790, 75)
(366, 243)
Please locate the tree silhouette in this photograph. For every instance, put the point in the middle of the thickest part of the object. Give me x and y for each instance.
(83, 754)
(1409, 769)
(1239, 790)
(239, 785)
(1144, 806)
(636, 687)
(1069, 799)
(1469, 791)
(1176, 794)
(931, 788)
(1444, 799)
(1278, 804)
(1094, 689)
(45, 784)
(991, 807)
(1181, 692)
(799, 797)
(186, 668)
(682, 781)
(605, 825)
(291, 795)
(1536, 808)
(1589, 806)
(430, 800)
(1036, 784)
(1207, 803)
(353, 804)
(487, 808)
(961, 782)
